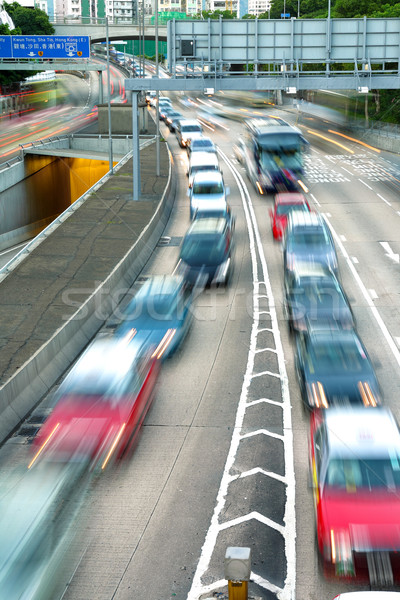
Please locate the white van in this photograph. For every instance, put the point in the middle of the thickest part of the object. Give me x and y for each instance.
(187, 130)
(202, 161)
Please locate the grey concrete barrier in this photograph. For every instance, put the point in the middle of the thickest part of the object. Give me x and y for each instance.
(24, 390)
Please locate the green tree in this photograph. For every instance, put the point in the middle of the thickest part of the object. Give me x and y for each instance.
(215, 14)
(30, 21)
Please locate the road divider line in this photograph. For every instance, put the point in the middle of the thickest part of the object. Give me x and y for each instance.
(364, 291)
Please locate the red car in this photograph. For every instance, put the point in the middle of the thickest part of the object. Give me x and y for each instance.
(284, 203)
(355, 465)
(101, 404)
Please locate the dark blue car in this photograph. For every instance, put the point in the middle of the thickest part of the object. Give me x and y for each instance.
(160, 313)
(334, 369)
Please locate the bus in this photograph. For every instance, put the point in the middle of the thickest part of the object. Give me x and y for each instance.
(272, 152)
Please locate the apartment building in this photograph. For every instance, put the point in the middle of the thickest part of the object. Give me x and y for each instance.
(257, 7)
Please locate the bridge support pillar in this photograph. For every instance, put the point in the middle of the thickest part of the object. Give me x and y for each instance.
(135, 147)
(101, 100)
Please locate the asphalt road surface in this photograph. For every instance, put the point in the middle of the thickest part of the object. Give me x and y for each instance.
(222, 459)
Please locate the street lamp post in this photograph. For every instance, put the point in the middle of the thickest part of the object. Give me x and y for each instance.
(157, 96)
(110, 149)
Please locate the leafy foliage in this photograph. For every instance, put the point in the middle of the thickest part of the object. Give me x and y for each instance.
(30, 21)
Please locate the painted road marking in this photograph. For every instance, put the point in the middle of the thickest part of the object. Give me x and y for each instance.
(261, 283)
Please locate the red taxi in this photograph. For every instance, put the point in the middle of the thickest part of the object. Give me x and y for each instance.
(284, 203)
(101, 404)
(355, 465)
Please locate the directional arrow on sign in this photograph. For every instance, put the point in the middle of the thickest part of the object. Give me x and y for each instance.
(389, 252)
(31, 54)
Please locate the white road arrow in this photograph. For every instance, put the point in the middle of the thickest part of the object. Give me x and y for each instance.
(389, 252)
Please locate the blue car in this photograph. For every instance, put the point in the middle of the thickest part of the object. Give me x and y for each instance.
(160, 313)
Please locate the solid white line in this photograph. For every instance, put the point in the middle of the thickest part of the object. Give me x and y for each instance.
(13, 248)
(315, 200)
(289, 532)
(265, 350)
(349, 172)
(343, 238)
(249, 517)
(382, 198)
(355, 260)
(272, 434)
(366, 184)
(258, 471)
(373, 294)
(270, 373)
(368, 299)
(267, 400)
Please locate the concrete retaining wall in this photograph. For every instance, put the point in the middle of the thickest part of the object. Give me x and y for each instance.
(21, 393)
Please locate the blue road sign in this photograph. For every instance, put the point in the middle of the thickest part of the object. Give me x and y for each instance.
(5, 46)
(285, 15)
(44, 46)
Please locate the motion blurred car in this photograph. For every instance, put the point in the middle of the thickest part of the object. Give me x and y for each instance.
(333, 368)
(355, 466)
(160, 313)
(166, 110)
(208, 192)
(151, 97)
(308, 239)
(223, 213)
(206, 253)
(187, 130)
(201, 161)
(37, 527)
(172, 119)
(163, 101)
(202, 144)
(283, 204)
(313, 295)
(101, 404)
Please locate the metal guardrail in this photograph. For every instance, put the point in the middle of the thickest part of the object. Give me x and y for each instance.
(10, 162)
(8, 267)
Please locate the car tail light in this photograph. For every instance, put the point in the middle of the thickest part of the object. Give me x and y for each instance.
(367, 395)
(43, 446)
(316, 395)
(341, 553)
(163, 345)
(113, 446)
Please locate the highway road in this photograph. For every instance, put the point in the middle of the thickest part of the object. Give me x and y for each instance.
(222, 459)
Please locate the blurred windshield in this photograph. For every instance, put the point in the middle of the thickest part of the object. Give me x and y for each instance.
(284, 209)
(197, 168)
(332, 358)
(198, 251)
(207, 188)
(316, 238)
(190, 128)
(370, 473)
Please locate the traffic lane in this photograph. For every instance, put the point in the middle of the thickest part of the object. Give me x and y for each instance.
(310, 580)
(201, 384)
(360, 228)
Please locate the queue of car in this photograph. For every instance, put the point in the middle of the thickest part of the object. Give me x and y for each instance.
(354, 441)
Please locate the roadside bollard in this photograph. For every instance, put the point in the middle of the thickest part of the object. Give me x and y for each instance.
(237, 572)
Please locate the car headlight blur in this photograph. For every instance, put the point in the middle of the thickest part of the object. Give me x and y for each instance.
(181, 268)
(341, 553)
(316, 395)
(222, 271)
